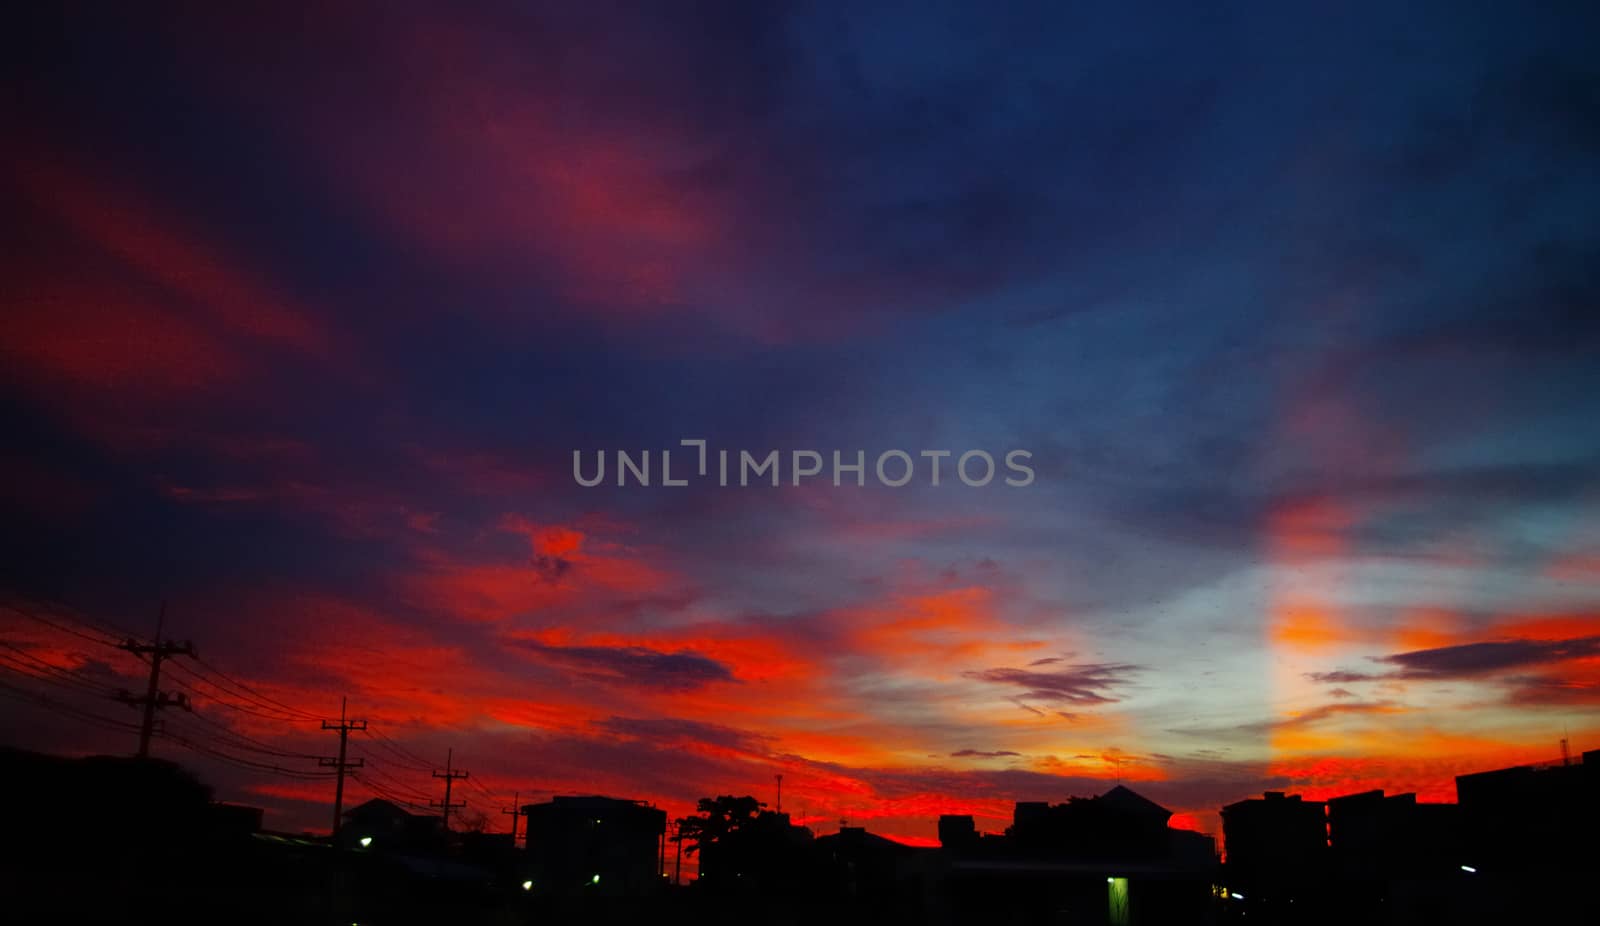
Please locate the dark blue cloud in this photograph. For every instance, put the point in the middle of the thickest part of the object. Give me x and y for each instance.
(634, 666)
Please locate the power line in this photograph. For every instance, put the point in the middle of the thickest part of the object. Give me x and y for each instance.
(64, 611)
(210, 738)
(241, 762)
(422, 765)
(52, 704)
(485, 793)
(96, 631)
(387, 794)
(220, 695)
(307, 715)
(32, 666)
(236, 740)
(101, 640)
(390, 781)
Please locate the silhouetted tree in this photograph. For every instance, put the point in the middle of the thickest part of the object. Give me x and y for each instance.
(472, 821)
(718, 818)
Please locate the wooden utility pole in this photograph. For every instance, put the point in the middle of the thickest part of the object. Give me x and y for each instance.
(154, 698)
(344, 726)
(449, 775)
(515, 810)
(677, 866)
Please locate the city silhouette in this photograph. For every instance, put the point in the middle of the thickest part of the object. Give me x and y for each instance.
(142, 838)
(154, 846)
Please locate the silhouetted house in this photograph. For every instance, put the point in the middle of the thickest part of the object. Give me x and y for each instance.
(234, 820)
(866, 870)
(599, 844)
(1119, 824)
(1109, 859)
(389, 828)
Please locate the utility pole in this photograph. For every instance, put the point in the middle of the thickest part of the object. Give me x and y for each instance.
(677, 866)
(449, 775)
(154, 698)
(515, 810)
(344, 726)
(779, 808)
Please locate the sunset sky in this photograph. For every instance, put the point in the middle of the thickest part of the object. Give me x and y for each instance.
(304, 313)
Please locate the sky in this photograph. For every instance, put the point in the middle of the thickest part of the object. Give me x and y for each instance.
(306, 312)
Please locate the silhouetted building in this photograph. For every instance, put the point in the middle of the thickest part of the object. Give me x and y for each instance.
(598, 844)
(957, 833)
(866, 871)
(1108, 859)
(1531, 841)
(1119, 824)
(385, 826)
(1373, 835)
(1531, 818)
(1391, 859)
(1274, 834)
(234, 819)
(108, 839)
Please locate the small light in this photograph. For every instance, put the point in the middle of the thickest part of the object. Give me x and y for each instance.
(596, 880)
(366, 841)
(1236, 896)
(1111, 880)
(527, 885)
(1469, 869)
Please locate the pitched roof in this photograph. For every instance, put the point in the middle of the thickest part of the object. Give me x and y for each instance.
(1132, 801)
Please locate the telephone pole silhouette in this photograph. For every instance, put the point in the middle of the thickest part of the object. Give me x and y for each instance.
(344, 726)
(677, 866)
(154, 698)
(516, 811)
(449, 775)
